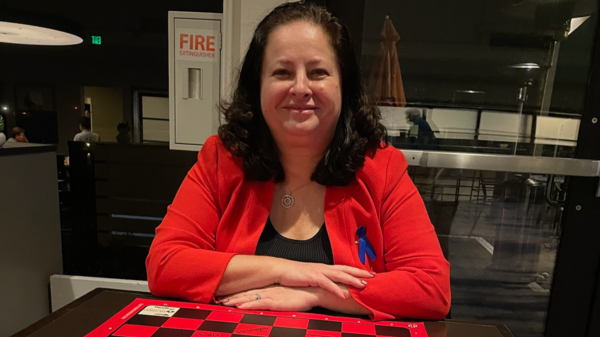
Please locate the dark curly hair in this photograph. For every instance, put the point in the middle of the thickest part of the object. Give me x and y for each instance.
(358, 132)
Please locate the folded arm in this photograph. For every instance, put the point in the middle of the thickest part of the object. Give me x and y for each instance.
(416, 283)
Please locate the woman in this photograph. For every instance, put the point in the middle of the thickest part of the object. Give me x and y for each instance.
(298, 203)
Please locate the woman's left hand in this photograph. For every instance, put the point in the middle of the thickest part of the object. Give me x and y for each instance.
(276, 298)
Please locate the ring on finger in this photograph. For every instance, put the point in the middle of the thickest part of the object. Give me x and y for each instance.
(257, 297)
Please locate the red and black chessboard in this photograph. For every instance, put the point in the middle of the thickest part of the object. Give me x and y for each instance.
(152, 318)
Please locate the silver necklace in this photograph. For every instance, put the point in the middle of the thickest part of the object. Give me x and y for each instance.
(287, 201)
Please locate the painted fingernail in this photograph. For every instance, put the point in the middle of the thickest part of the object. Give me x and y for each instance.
(363, 282)
(345, 296)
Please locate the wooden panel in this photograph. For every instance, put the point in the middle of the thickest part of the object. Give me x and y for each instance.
(141, 182)
(107, 223)
(148, 154)
(101, 170)
(100, 152)
(163, 176)
(107, 239)
(131, 207)
(102, 188)
(136, 189)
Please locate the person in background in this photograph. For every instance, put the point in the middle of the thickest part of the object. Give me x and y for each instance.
(123, 136)
(298, 203)
(86, 135)
(17, 136)
(2, 135)
(425, 134)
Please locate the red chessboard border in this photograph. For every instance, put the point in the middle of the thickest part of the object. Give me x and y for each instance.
(417, 329)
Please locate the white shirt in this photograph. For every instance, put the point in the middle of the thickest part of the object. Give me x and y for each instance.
(86, 136)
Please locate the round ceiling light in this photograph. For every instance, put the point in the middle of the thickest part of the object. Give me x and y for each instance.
(34, 35)
(33, 28)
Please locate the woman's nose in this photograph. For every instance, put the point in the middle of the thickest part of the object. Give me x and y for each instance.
(300, 88)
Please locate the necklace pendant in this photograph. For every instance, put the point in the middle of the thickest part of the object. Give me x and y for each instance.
(287, 201)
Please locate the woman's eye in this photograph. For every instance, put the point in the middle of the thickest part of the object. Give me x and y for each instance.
(320, 72)
(280, 72)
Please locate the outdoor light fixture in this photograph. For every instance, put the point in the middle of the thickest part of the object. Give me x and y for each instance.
(576, 22)
(26, 27)
(526, 66)
(562, 15)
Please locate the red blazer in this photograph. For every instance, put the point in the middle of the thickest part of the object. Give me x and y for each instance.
(217, 214)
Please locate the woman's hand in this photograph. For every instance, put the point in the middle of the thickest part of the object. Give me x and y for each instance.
(301, 274)
(276, 298)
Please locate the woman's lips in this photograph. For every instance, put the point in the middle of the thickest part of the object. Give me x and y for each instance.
(301, 110)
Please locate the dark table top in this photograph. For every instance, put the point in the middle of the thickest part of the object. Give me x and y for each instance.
(90, 311)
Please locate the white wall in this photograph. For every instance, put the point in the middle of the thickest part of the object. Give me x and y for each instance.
(30, 242)
(557, 131)
(394, 119)
(504, 127)
(66, 289)
(240, 18)
(157, 128)
(453, 123)
(107, 111)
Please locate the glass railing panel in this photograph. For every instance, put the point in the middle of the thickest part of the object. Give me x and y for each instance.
(500, 231)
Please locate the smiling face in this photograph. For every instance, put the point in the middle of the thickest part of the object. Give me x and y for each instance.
(300, 89)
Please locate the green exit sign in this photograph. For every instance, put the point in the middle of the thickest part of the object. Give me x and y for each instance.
(96, 40)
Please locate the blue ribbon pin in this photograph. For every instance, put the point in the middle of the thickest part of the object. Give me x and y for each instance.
(364, 246)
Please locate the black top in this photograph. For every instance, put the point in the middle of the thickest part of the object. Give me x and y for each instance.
(316, 249)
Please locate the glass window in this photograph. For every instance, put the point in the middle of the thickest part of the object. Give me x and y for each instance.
(502, 77)
(497, 76)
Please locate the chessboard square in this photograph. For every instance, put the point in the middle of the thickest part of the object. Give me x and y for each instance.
(324, 325)
(211, 334)
(225, 317)
(214, 326)
(259, 319)
(323, 333)
(252, 329)
(365, 329)
(182, 323)
(129, 330)
(164, 332)
(192, 313)
(148, 320)
(287, 332)
(392, 331)
(287, 322)
(350, 334)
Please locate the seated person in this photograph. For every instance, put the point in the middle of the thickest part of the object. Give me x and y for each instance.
(298, 202)
(425, 134)
(2, 135)
(86, 135)
(17, 136)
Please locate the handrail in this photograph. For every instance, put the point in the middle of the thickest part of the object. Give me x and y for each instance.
(504, 163)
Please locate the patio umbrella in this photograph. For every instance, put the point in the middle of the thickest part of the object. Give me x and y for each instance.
(386, 79)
